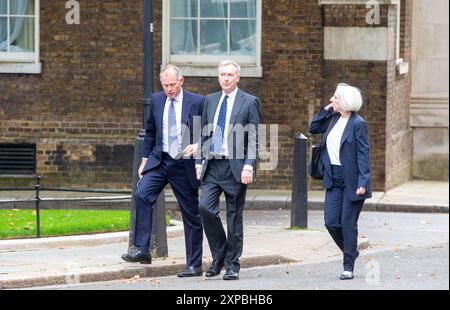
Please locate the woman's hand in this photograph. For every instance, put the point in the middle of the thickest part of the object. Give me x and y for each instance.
(328, 107)
(361, 191)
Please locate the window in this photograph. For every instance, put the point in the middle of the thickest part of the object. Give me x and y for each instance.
(19, 36)
(198, 34)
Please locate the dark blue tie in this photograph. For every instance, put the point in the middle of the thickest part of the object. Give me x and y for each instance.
(173, 133)
(219, 133)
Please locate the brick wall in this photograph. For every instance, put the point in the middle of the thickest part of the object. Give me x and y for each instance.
(83, 111)
(399, 135)
(385, 94)
(292, 57)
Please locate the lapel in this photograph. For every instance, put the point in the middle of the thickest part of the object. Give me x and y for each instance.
(187, 105)
(238, 103)
(348, 129)
(160, 115)
(215, 103)
(334, 119)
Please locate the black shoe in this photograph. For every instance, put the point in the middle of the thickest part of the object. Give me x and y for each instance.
(138, 256)
(191, 272)
(214, 270)
(231, 275)
(346, 275)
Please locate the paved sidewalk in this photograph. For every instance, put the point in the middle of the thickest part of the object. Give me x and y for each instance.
(415, 196)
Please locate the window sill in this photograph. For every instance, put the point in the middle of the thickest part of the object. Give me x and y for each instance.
(212, 71)
(402, 67)
(21, 68)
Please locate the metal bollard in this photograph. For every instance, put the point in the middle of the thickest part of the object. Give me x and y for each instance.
(37, 187)
(299, 210)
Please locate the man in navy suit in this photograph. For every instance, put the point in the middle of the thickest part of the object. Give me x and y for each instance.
(168, 159)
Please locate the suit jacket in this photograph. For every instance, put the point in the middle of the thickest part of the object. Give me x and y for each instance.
(243, 148)
(354, 153)
(153, 141)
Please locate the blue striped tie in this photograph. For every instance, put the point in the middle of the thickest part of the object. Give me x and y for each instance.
(173, 133)
(219, 133)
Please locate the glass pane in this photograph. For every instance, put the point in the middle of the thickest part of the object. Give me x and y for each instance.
(3, 7)
(22, 34)
(243, 37)
(214, 8)
(243, 8)
(184, 8)
(21, 7)
(183, 37)
(3, 34)
(213, 35)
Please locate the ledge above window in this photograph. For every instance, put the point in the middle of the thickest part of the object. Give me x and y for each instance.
(212, 70)
(21, 68)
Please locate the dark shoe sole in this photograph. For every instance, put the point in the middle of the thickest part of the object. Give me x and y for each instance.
(189, 276)
(143, 262)
(345, 278)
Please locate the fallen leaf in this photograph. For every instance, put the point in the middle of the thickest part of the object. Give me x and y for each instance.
(155, 281)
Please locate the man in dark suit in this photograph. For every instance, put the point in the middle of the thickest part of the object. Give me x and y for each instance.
(168, 159)
(226, 163)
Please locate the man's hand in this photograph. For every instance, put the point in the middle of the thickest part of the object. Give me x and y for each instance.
(361, 191)
(198, 171)
(247, 177)
(191, 150)
(141, 168)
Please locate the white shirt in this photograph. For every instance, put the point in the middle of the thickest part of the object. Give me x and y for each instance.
(334, 141)
(178, 103)
(230, 101)
(230, 104)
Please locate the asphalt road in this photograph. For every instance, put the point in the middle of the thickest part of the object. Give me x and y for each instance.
(411, 268)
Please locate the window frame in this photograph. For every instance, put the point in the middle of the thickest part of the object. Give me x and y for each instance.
(205, 65)
(14, 62)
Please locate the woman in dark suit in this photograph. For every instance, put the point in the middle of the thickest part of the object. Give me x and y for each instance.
(346, 159)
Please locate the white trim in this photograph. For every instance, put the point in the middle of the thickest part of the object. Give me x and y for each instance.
(362, 2)
(204, 65)
(11, 62)
(21, 68)
(212, 71)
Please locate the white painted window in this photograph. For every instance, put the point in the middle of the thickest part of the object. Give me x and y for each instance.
(402, 66)
(19, 36)
(198, 34)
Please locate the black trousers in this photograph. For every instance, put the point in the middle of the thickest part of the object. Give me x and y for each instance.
(226, 248)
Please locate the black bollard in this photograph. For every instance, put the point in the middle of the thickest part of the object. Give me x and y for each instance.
(299, 211)
(37, 187)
